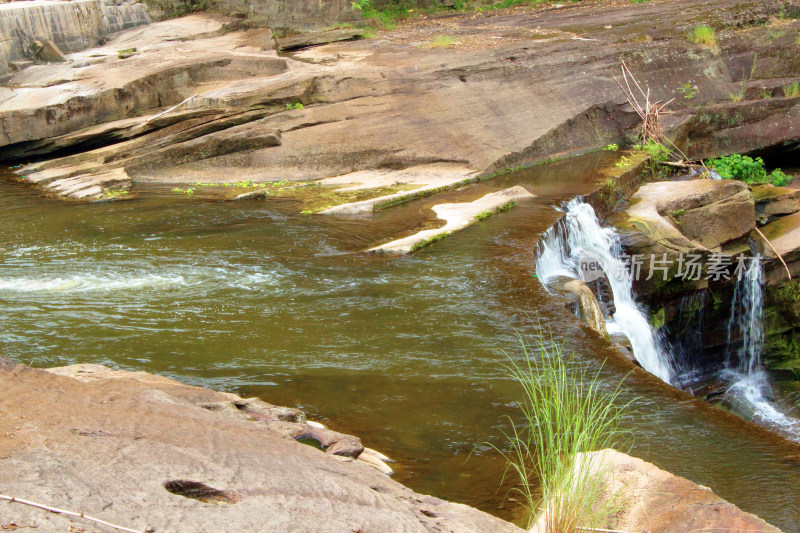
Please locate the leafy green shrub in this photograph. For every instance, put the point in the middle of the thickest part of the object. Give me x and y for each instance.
(749, 170)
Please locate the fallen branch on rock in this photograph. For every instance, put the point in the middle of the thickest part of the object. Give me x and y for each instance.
(788, 272)
(12, 499)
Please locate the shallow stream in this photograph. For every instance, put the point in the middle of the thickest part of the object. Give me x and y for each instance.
(405, 352)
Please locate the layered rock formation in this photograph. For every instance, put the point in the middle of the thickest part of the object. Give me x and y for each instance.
(144, 451)
(72, 26)
(516, 88)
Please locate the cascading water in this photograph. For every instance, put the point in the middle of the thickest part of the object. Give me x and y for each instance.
(750, 389)
(560, 253)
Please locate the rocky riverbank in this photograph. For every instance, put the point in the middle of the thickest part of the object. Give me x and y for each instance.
(149, 453)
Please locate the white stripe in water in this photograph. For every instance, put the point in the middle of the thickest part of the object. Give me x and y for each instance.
(87, 282)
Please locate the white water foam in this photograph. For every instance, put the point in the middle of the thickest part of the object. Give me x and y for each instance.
(559, 253)
(750, 390)
(88, 282)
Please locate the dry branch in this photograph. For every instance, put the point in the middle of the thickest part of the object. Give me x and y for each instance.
(12, 499)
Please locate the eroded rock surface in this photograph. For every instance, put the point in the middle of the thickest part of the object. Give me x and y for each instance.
(518, 87)
(145, 451)
(653, 500)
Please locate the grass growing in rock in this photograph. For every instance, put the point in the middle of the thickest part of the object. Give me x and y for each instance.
(483, 215)
(791, 91)
(443, 41)
(747, 169)
(704, 36)
(427, 242)
(565, 413)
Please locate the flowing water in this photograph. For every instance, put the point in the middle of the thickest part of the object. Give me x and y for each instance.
(579, 240)
(405, 352)
(750, 392)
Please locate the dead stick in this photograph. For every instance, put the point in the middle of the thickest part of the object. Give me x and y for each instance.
(170, 109)
(12, 499)
(788, 272)
(601, 530)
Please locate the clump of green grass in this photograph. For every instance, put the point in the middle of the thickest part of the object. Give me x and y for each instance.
(188, 192)
(704, 36)
(765, 94)
(422, 244)
(483, 215)
(295, 105)
(126, 53)
(737, 96)
(791, 91)
(613, 147)
(443, 41)
(747, 169)
(115, 193)
(566, 415)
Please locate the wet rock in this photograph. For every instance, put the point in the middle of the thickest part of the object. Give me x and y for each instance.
(582, 297)
(772, 202)
(457, 217)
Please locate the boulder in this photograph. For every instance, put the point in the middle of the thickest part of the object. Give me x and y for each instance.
(581, 297)
(772, 202)
(721, 221)
(654, 500)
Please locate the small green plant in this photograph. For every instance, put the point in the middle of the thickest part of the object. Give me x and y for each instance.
(688, 90)
(765, 94)
(623, 162)
(295, 105)
(747, 169)
(704, 36)
(791, 91)
(281, 183)
(737, 96)
(678, 213)
(639, 1)
(443, 41)
(126, 53)
(244, 184)
(187, 192)
(567, 418)
(115, 193)
(306, 212)
(657, 151)
(611, 147)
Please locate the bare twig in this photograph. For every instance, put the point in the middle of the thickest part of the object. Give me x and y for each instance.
(601, 530)
(173, 108)
(12, 499)
(788, 272)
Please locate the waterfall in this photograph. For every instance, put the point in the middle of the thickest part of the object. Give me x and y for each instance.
(567, 248)
(750, 389)
(747, 317)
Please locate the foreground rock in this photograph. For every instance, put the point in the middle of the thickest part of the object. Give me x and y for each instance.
(653, 500)
(147, 452)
